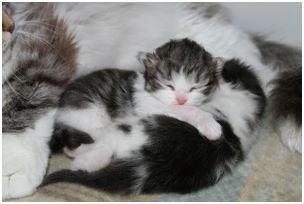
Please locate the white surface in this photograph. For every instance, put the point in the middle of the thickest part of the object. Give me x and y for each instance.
(278, 21)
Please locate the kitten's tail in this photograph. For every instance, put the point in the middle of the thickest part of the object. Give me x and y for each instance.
(286, 108)
(118, 177)
(285, 96)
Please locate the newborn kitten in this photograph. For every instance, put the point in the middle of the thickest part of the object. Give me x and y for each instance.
(179, 76)
(107, 122)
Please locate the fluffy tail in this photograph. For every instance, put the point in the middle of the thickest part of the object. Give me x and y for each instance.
(286, 108)
(118, 177)
(285, 98)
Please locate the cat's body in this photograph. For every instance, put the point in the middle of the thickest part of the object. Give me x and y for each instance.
(35, 73)
(152, 152)
(108, 34)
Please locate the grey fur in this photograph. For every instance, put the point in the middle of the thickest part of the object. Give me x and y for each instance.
(36, 75)
(102, 87)
(282, 57)
(175, 55)
(286, 95)
(175, 157)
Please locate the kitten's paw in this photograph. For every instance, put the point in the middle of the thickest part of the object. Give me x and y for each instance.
(290, 134)
(70, 152)
(210, 129)
(174, 116)
(77, 151)
(93, 160)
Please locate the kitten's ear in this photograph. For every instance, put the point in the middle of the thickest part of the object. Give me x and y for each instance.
(149, 60)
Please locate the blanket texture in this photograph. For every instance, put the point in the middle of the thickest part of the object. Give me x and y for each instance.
(270, 173)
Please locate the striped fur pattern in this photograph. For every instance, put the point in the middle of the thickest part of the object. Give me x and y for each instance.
(38, 62)
(146, 150)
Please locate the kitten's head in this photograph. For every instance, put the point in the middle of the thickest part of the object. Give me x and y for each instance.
(180, 72)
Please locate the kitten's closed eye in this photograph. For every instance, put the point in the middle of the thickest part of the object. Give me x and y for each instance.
(170, 86)
(210, 83)
(192, 89)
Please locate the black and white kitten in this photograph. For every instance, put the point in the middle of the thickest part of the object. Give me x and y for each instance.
(118, 126)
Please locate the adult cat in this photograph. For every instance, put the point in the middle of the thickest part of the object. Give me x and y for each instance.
(108, 34)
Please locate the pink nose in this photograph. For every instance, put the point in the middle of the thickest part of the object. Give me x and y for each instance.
(181, 100)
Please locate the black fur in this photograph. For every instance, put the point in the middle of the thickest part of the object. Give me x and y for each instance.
(186, 161)
(72, 138)
(125, 128)
(117, 97)
(286, 97)
(242, 77)
(183, 54)
(176, 159)
(118, 176)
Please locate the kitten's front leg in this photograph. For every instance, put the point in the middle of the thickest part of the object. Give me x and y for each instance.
(202, 120)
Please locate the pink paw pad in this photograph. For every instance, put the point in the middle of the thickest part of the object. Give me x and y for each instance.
(70, 152)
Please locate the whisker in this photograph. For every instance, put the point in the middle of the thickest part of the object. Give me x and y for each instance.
(40, 22)
(20, 80)
(22, 39)
(38, 37)
(14, 90)
(43, 41)
(46, 26)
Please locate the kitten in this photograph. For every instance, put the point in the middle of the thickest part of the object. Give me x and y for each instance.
(179, 77)
(135, 148)
(106, 33)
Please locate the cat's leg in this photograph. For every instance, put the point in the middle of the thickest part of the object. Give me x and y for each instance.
(75, 127)
(84, 119)
(68, 139)
(25, 158)
(202, 120)
(92, 157)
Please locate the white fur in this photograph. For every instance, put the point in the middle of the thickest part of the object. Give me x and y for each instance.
(182, 86)
(238, 106)
(163, 101)
(290, 134)
(110, 141)
(92, 157)
(114, 33)
(202, 120)
(111, 35)
(87, 119)
(25, 158)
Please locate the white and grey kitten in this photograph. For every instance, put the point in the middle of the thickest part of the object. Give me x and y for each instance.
(118, 126)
